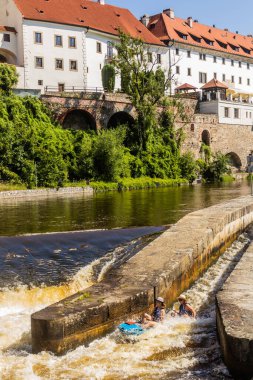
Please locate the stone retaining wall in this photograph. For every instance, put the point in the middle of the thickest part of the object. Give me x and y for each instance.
(45, 192)
(165, 267)
(234, 304)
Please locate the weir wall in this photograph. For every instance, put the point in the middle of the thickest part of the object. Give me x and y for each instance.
(165, 267)
(234, 305)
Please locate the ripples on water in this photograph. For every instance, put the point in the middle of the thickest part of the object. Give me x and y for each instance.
(178, 349)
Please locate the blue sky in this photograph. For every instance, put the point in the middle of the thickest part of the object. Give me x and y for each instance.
(232, 14)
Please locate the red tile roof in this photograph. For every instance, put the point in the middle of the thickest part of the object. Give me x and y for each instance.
(7, 29)
(214, 83)
(165, 28)
(186, 86)
(86, 13)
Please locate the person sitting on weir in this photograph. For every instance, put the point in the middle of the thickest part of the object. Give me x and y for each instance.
(157, 315)
(185, 309)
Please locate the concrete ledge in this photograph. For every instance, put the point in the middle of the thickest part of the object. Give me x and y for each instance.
(235, 318)
(45, 192)
(165, 267)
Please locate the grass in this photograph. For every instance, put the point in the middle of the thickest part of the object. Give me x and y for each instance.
(130, 184)
(227, 178)
(100, 186)
(5, 186)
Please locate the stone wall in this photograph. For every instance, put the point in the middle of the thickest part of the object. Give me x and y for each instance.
(165, 267)
(45, 192)
(235, 318)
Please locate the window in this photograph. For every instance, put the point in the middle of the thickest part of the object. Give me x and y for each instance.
(215, 75)
(72, 42)
(58, 41)
(226, 112)
(7, 37)
(109, 49)
(40, 82)
(61, 87)
(202, 57)
(247, 115)
(177, 51)
(58, 64)
(177, 69)
(72, 65)
(159, 58)
(236, 113)
(214, 59)
(240, 64)
(232, 79)
(189, 72)
(248, 66)
(223, 77)
(150, 58)
(240, 80)
(223, 61)
(38, 38)
(189, 54)
(232, 62)
(202, 77)
(39, 64)
(99, 47)
(248, 82)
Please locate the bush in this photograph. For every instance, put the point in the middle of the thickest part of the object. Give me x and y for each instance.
(188, 167)
(111, 159)
(8, 77)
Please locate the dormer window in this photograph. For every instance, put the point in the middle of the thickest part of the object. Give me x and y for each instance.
(247, 51)
(209, 42)
(182, 35)
(222, 44)
(235, 48)
(195, 38)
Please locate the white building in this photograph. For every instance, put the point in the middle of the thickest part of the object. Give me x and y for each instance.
(65, 44)
(199, 53)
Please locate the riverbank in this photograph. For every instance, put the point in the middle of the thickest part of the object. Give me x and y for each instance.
(19, 191)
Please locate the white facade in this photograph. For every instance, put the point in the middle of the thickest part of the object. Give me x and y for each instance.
(198, 66)
(45, 58)
(229, 112)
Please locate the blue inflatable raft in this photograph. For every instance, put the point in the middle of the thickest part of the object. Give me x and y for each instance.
(131, 329)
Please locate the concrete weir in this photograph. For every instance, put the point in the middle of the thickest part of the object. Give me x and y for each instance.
(165, 267)
(234, 304)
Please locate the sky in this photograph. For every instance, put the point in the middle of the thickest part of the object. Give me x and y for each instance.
(236, 15)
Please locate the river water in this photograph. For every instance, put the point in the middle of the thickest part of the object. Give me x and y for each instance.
(39, 269)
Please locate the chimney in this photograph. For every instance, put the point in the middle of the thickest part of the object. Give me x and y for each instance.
(196, 21)
(226, 29)
(190, 22)
(145, 20)
(102, 2)
(250, 35)
(169, 12)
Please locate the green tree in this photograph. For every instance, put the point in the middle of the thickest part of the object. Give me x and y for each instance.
(111, 159)
(146, 84)
(108, 77)
(188, 166)
(216, 168)
(8, 77)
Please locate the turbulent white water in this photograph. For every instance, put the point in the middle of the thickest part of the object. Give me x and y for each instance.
(178, 349)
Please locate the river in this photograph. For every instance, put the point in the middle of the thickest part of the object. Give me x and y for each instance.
(67, 246)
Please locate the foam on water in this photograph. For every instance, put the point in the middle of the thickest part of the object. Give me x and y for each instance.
(179, 348)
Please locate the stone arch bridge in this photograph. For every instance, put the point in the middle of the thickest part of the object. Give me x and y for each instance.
(96, 111)
(90, 111)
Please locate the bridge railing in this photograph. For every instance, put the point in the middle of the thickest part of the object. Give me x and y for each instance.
(86, 90)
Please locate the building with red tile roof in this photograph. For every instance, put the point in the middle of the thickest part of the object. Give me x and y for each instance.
(64, 44)
(199, 53)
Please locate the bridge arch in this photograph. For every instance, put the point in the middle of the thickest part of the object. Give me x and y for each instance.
(206, 137)
(7, 56)
(234, 160)
(120, 118)
(79, 119)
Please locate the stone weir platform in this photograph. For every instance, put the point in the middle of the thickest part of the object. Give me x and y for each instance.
(234, 305)
(165, 267)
